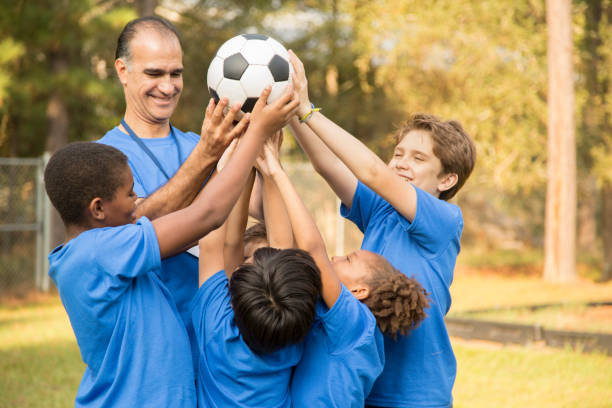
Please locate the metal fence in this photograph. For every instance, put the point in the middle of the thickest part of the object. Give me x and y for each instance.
(25, 214)
(24, 226)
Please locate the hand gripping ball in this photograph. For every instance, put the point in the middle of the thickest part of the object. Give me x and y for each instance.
(244, 65)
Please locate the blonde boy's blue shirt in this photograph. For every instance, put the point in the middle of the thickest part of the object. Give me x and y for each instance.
(343, 355)
(128, 329)
(229, 373)
(420, 368)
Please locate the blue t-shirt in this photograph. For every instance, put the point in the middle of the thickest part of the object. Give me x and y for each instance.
(420, 368)
(343, 355)
(180, 272)
(129, 332)
(229, 373)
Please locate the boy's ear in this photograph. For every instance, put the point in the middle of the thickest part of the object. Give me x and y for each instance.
(122, 70)
(96, 209)
(361, 292)
(448, 181)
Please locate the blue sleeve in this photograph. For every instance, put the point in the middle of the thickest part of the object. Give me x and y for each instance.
(210, 305)
(126, 252)
(348, 323)
(138, 183)
(436, 223)
(366, 207)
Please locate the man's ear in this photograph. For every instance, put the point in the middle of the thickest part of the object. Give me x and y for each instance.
(448, 181)
(96, 209)
(122, 70)
(361, 292)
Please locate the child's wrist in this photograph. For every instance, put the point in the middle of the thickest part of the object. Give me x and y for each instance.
(304, 108)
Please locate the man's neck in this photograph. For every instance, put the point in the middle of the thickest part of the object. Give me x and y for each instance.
(144, 129)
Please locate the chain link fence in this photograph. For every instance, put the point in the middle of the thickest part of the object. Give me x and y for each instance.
(23, 230)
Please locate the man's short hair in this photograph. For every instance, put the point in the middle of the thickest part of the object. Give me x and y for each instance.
(130, 30)
(451, 144)
(79, 172)
(274, 298)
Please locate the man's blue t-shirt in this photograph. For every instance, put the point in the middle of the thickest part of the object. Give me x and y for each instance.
(420, 368)
(229, 373)
(180, 272)
(128, 329)
(343, 355)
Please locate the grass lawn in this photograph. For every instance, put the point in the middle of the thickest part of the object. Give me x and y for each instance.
(40, 364)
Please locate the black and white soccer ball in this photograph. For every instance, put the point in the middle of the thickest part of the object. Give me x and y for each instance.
(244, 65)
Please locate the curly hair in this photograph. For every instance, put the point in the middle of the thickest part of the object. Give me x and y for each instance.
(397, 301)
(274, 298)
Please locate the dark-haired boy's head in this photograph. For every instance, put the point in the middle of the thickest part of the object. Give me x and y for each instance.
(254, 237)
(274, 298)
(85, 174)
(423, 136)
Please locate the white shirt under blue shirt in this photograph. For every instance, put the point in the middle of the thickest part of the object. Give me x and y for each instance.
(343, 355)
(229, 373)
(420, 368)
(129, 332)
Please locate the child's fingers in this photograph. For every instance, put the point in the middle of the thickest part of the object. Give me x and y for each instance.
(231, 114)
(263, 99)
(240, 126)
(286, 96)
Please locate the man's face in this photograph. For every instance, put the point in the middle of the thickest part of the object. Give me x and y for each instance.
(414, 161)
(153, 77)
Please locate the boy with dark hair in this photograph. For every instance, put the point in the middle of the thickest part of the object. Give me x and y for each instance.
(402, 211)
(127, 326)
(250, 320)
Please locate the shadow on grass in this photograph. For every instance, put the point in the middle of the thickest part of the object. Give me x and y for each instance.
(40, 376)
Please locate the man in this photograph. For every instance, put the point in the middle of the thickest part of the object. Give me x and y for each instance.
(169, 166)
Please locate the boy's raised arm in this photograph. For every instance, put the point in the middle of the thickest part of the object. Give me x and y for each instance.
(211, 208)
(361, 161)
(306, 233)
(324, 161)
(278, 225)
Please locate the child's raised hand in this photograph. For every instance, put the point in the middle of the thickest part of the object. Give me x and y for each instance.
(273, 144)
(300, 83)
(274, 116)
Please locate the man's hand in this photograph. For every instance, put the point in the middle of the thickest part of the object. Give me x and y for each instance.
(218, 130)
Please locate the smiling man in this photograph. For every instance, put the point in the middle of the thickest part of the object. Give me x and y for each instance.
(169, 166)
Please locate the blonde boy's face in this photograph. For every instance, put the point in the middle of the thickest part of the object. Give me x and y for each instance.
(353, 269)
(414, 161)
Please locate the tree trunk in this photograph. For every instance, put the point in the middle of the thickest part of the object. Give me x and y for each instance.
(146, 7)
(606, 213)
(560, 239)
(57, 134)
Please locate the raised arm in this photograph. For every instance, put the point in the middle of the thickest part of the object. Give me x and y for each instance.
(307, 235)
(361, 161)
(181, 189)
(211, 208)
(324, 161)
(211, 258)
(233, 251)
(278, 226)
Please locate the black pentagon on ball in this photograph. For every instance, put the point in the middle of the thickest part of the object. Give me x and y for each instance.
(255, 36)
(214, 94)
(249, 104)
(234, 66)
(279, 67)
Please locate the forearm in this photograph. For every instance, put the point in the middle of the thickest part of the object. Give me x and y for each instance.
(278, 226)
(181, 189)
(233, 248)
(339, 177)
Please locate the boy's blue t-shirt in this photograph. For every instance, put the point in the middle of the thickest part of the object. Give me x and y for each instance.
(180, 272)
(127, 327)
(420, 368)
(343, 355)
(229, 373)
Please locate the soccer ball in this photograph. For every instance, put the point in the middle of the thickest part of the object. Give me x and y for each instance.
(244, 65)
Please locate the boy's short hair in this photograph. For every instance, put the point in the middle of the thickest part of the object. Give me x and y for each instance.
(274, 298)
(451, 144)
(256, 233)
(397, 301)
(79, 172)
